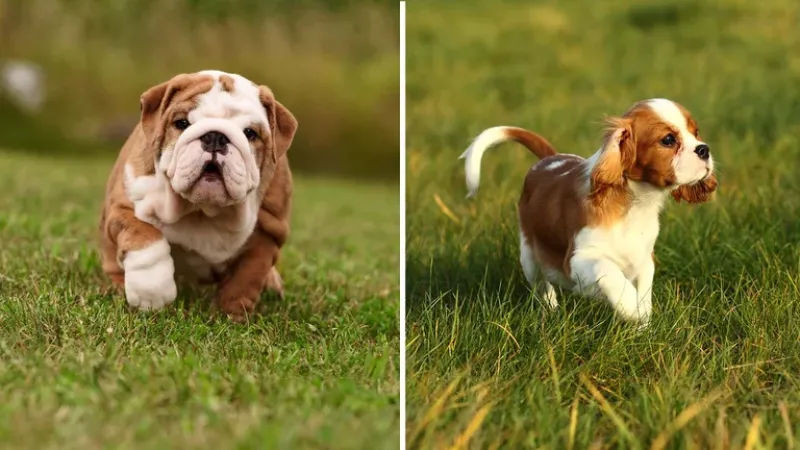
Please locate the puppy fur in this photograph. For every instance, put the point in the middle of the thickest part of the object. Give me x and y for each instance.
(201, 190)
(590, 225)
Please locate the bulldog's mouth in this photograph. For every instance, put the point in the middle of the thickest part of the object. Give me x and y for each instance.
(209, 187)
(212, 171)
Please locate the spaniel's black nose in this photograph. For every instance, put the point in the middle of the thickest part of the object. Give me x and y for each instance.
(702, 151)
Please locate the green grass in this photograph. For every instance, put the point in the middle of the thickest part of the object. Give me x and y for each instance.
(78, 370)
(720, 365)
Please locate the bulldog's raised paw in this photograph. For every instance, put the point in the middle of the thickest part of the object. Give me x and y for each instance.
(150, 277)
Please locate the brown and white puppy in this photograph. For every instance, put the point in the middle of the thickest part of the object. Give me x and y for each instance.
(590, 225)
(201, 189)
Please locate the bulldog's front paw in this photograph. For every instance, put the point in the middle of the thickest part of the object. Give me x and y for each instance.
(150, 277)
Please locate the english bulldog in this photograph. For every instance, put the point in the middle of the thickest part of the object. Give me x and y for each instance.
(201, 190)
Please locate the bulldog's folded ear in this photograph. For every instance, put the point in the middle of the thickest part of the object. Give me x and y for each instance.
(150, 103)
(155, 101)
(153, 104)
(281, 121)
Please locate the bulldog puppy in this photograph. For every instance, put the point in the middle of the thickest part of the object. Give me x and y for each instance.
(201, 190)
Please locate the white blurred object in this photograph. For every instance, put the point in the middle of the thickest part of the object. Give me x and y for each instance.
(23, 83)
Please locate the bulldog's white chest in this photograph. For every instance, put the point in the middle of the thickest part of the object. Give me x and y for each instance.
(203, 247)
(209, 241)
(202, 251)
(202, 243)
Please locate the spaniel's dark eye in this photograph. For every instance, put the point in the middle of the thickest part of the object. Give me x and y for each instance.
(669, 140)
(250, 134)
(181, 124)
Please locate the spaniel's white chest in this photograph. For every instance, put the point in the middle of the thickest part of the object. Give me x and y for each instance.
(628, 244)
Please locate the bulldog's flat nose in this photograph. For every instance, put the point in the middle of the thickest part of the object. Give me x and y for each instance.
(215, 142)
(702, 151)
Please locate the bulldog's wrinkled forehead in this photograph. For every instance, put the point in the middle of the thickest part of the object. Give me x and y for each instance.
(231, 97)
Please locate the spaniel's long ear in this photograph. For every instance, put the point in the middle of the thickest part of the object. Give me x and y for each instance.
(699, 192)
(617, 155)
(281, 121)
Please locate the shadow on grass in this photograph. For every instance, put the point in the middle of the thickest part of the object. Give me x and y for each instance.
(711, 258)
(474, 274)
(486, 281)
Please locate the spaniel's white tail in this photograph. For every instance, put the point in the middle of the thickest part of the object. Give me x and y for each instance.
(493, 136)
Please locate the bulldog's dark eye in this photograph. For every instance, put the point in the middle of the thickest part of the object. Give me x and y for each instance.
(250, 134)
(181, 124)
(669, 140)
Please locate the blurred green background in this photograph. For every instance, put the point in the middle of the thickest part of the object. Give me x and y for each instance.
(334, 63)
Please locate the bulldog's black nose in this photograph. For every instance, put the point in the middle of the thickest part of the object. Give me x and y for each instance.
(702, 151)
(215, 142)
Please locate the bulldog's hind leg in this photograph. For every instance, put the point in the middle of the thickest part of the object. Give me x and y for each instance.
(111, 267)
(275, 282)
(534, 275)
(251, 273)
(255, 268)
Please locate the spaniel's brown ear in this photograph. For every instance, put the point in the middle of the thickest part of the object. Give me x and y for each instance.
(617, 156)
(281, 121)
(699, 192)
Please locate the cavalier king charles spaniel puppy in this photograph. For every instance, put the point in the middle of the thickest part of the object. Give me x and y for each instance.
(590, 225)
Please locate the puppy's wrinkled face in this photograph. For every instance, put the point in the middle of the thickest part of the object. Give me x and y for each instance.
(212, 159)
(215, 136)
(211, 142)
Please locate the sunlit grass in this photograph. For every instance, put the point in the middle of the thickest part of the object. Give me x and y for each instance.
(719, 366)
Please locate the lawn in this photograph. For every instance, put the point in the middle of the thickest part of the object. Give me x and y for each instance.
(79, 370)
(720, 365)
